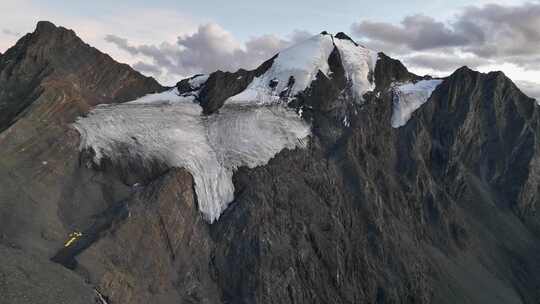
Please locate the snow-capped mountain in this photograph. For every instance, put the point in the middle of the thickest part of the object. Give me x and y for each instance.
(329, 174)
(251, 127)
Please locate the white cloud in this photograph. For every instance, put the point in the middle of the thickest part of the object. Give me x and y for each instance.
(208, 49)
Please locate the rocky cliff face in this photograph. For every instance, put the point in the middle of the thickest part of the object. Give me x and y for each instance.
(441, 210)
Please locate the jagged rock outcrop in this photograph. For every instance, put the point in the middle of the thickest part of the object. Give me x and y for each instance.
(222, 85)
(441, 210)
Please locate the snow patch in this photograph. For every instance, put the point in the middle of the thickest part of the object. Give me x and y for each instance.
(198, 81)
(409, 97)
(302, 62)
(358, 62)
(211, 147)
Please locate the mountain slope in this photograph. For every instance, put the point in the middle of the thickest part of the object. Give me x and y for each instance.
(56, 57)
(438, 210)
(46, 80)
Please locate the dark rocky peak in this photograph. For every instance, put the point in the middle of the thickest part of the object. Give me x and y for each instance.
(221, 85)
(47, 45)
(488, 123)
(344, 36)
(496, 81)
(47, 27)
(389, 70)
(54, 58)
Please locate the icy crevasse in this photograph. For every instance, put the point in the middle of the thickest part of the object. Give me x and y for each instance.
(409, 97)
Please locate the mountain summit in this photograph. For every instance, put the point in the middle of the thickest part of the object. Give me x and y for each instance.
(329, 174)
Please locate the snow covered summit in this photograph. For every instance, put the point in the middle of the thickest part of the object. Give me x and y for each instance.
(294, 69)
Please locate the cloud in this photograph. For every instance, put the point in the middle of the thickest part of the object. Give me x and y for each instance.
(507, 30)
(532, 89)
(122, 43)
(494, 33)
(147, 68)
(417, 32)
(444, 63)
(10, 33)
(208, 49)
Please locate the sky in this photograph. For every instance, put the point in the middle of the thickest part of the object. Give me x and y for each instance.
(171, 39)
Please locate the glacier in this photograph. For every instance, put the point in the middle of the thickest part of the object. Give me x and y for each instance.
(410, 97)
(358, 62)
(211, 147)
(248, 130)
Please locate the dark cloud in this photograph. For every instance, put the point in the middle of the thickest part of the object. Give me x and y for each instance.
(122, 43)
(210, 48)
(443, 63)
(495, 32)
(164, 56)
(416, 32)
(507, 30)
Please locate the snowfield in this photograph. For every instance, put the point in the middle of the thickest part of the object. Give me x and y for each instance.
(211, 148)
(358, 62)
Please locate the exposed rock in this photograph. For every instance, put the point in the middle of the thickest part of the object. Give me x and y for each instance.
(46, 80)
(390, 70)
(222, 85)
(53, 59)
(27, 279)
(160, 253)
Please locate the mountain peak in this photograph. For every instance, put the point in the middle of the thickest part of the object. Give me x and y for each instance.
(294, 69)
(45, 26)
(55, 58)
(46, 29)
(343, 36)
